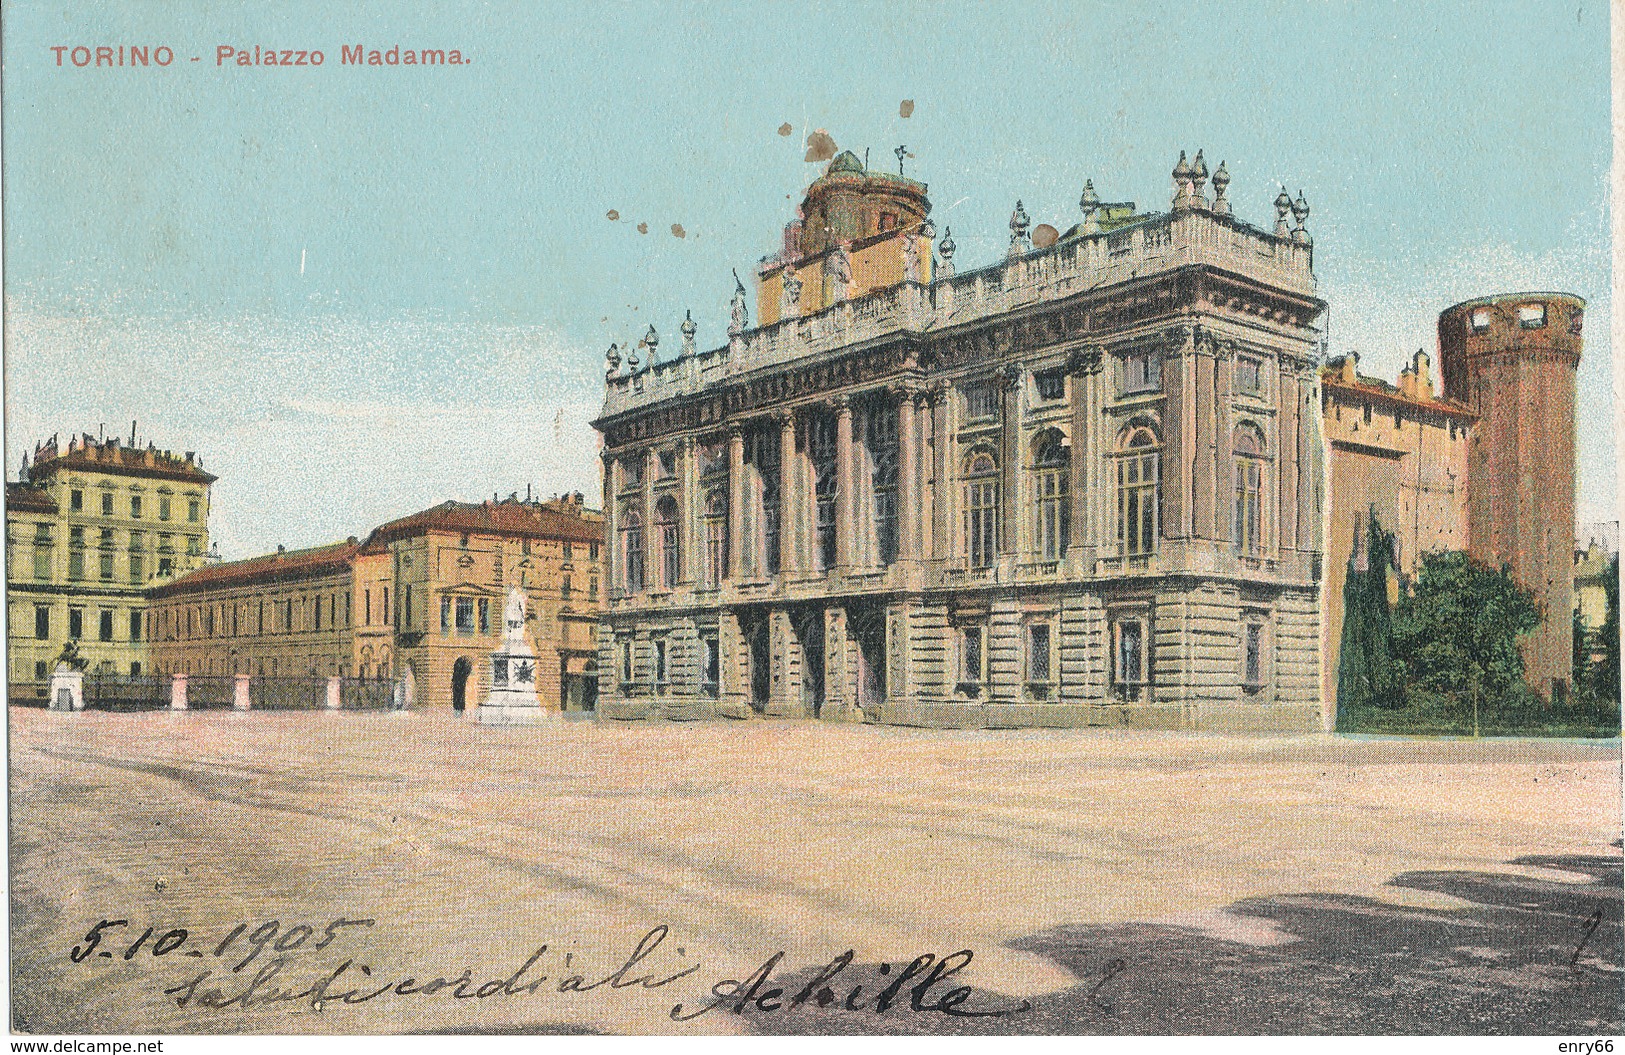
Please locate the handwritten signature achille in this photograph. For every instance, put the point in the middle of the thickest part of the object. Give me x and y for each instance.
(920, 986)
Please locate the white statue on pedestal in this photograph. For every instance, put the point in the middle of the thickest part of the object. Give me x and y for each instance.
(512, 699)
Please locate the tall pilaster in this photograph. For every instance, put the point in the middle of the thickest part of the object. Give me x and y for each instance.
(688, 517)
(1224, 456)
(613, 572)
(1286, 504)
(1010, 457)
(1204, 497)
(736, 501)
(908, 520)
(791, 503)
(844, 483)
(947, 496)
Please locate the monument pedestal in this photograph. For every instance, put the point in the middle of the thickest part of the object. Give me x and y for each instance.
(512, 699)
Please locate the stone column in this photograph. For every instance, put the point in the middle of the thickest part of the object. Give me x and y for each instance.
(614, 574)
(790, 503)
(1010, 460)
(239, 693)
(929, 499)
(1310, 471)
(335, 694)
(947, 490)
(1176, 440)
(736, 501)
(1085, 368)
(1224, 481)
(844, 483)
(1204, 494)
(908, 519)
(689, 503)
(840, 694)
(1285, 535)
(177, 692)
(784, 687)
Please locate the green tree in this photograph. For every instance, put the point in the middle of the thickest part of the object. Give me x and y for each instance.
(1368, 674)
(1457, 631)
(1602, 677)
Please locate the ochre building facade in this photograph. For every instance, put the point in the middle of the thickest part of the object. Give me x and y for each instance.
(423, 592)
(1078, 486)
(89, 528)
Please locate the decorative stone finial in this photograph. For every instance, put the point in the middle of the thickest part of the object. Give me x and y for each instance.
(1283, 205)
(1182, 184)
(1198, 179)
(945, 252)
(1300, 213)
(1221, 182)
(928, 229)
(738, 315)
(612, 362)
(651, 341)
(1090, 204)
(687, 329)
(1019, 222)
(632, 360)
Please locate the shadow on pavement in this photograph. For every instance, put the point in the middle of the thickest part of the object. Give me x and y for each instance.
(1532, 956)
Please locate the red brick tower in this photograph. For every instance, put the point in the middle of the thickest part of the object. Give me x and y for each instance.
(1512, 359)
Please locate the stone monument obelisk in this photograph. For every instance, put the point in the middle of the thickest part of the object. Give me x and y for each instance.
(512, 699)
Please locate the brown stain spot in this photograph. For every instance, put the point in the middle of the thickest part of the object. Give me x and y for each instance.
(613, 214)
(677, 229)
(784, 129)
(1045, 236)
(906, 109)
(643, 228)
(820, 146)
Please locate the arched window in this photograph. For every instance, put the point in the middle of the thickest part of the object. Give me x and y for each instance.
(670, 553)
(981, 508)
(716, 537)
(1052, 465)
(1248, 444)
(632, 551)
(1139, 490)
(880, 441)
(821, 448)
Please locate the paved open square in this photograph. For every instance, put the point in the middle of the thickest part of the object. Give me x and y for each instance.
(409, 872)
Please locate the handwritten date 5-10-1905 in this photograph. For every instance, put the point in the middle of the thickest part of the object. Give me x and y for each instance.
(267, 935)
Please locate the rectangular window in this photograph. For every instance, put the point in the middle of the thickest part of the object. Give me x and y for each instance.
(135, 624)
(1249, 525)
(42, 560)
(626, 661)
(42, 622)
(107, 503)
(631, 472)
(194, 545)
(76, 564)
(40, 671)
(1479, 320)
(1252, 662)
(465, 615)
(881, 443)
(1051, 384)
(76, 501)
(972, 659)
(1249, 375)
(981, 402)
(138, 567)
(982, 528)
(192, 508)
(106, 565)
(485, 616)
(316, 613)
(660, 662)
(1038, 654)
(1130, 667)
(564, 588)
(135, 670)
(445, 614)
(668, 464)
(163, 507)
(1531, 316)
(104, 627)
(592, 588)
(1142, 372)
(710, 665)
(135, 507)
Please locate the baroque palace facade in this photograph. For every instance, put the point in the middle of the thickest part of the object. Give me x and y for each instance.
(1078, 486)
(89, 528)
(424, 592)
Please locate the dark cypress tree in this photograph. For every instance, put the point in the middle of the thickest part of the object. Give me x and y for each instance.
(1604, 674)
(1368, 674)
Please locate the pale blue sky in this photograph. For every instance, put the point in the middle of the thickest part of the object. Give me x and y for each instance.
(461, 280)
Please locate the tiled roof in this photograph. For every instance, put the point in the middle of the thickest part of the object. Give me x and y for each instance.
(272, 567)
(26, 498)
(1382, 391)
(114, 457)
(513, 519)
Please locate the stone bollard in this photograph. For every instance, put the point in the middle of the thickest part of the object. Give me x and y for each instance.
(239, 693)
(335, 697)
(177, 692)
(67, 689)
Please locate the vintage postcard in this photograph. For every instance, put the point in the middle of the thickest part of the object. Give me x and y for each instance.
(899, 519)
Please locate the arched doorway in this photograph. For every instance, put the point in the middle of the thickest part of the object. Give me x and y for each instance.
(460, 671)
